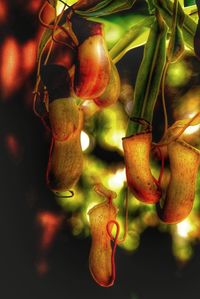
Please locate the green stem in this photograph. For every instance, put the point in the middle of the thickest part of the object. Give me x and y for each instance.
(169, 56)
(163, 99)
(149, 76)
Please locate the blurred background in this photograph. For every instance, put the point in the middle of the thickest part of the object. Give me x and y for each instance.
(156, 261)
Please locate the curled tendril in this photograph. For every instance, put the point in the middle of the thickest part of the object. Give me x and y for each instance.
(36, 89)
(52, 27)
(125, 224)
(115, 240)
(65, 196)
(55, 26)
(37, 95)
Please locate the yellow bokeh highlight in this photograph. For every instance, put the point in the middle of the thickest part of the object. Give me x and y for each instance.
(192, 129)
(179, 74)
(184, 228)
(115, 127)
(117, 180)
(85, 141)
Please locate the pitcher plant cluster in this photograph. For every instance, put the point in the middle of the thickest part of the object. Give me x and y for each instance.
(84, 80)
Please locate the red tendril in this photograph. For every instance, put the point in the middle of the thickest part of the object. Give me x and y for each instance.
(113, 250)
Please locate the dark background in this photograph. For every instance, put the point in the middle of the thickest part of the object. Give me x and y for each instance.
(149, 273)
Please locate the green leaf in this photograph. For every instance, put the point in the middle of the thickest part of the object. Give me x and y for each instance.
(181, 2)
(192, 12)
(136, 36)
(189, 26)
(149, 76)
(189, 2)
(176, 46)
(151, 6)
(113, 7)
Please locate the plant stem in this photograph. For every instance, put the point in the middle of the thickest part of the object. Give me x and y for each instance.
(149, 77)
(163, 98)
